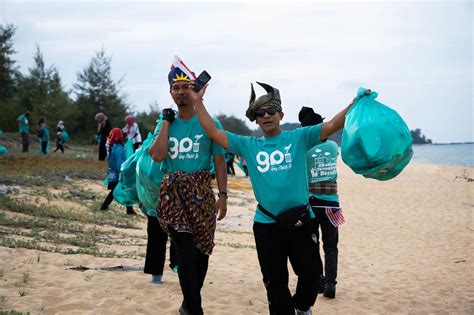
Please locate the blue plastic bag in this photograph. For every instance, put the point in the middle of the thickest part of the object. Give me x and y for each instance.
(376, 142)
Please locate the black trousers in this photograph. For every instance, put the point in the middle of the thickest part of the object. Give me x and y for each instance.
(102, 150)
(156, 249)
(274, 248)
(192, 270)
(59, 147)
(330, 238)
(25, 141)
(110, 197)
(136, 146)
(44, 147)
(230, 168)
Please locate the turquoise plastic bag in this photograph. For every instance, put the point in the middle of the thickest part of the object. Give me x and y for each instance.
(65, 136)
(128, 148)
(127, 180)
(3, 150)
(148, 177)
(125, 197)
(376, 142)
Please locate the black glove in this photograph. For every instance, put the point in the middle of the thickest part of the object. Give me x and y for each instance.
(168, 114)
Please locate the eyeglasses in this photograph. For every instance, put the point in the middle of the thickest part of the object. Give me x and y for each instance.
(270, 111)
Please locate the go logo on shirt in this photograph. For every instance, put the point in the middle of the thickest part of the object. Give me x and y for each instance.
(183, 147)
(273, 161)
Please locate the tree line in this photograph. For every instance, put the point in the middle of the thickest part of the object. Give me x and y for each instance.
(42, 93)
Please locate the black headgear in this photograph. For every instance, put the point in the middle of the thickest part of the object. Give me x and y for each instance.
(308, 117)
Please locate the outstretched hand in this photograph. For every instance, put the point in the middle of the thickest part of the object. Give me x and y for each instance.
(196, 96)
(367, 92)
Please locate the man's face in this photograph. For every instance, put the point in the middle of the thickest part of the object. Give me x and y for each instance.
(180, 93)
(270, 121)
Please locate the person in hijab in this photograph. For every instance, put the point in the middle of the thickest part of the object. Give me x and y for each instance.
(103, 129)
(116, 156)
(64, 134)
(132, 131)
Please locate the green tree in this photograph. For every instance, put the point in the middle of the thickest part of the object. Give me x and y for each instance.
(42, 92)
(234, 124)
(147, 119)
(96, 92)
(9, 76)
(418, 137)
(8, 70)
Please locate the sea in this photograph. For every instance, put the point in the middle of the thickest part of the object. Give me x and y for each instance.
(449, 154)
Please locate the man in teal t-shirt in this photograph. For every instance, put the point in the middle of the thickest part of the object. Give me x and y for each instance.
(322, 176)
(24, 130)
(187, 206)
(277, 169)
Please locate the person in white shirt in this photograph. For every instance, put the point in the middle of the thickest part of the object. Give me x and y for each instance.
(132, 131)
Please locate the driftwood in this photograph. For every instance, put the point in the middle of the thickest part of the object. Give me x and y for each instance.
(465, 177)
(115, 268)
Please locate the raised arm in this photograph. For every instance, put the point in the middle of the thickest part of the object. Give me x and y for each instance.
(337, 122)
(206, 121)
(159, 148)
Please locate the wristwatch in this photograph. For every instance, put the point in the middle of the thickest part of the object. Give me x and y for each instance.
(222, 193)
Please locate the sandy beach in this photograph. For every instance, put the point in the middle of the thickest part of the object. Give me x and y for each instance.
(406, 247)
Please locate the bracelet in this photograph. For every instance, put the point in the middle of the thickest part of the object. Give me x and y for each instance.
(222, 193)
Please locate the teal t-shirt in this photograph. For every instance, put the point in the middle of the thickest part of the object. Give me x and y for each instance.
(277, 167)
(189, 148)
(45, 135)
(23, 123)
(322, 166)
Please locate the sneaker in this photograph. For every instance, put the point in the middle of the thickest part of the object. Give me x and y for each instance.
(157, 279)
(308, 312)
(329, 290)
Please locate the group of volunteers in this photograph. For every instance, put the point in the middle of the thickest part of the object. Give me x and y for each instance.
(293, 174)
(294, 179)
(42, 131)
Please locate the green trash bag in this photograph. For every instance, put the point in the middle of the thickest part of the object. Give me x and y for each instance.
(128, 148)
(376, 142)
(65, 136)
(148, 177)
(148, 212)
(127, 179)
(125, 197)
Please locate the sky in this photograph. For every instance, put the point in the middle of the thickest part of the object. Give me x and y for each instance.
(416, 54)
